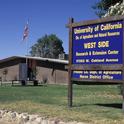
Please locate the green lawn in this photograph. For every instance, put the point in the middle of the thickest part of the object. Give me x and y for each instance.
(93, 104)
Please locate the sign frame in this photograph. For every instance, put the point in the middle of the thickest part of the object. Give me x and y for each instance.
(91, 67)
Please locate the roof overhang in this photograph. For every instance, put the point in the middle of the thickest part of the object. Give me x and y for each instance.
(35, 58)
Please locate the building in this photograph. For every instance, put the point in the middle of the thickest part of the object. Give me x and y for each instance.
(43, 69)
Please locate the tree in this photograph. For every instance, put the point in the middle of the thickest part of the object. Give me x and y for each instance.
(117, 9)
(48, 46)
(102, 6)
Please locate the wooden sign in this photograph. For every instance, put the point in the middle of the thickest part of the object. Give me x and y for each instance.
(96, 49)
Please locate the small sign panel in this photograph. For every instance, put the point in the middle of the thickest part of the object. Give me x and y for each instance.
(94, 75)
(98, 43)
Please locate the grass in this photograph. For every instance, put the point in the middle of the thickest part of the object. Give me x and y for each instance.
(91, 104)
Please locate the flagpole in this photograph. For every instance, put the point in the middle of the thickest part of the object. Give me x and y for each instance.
(27, 40)
(27, 58)
(25, 37)
(27, 52)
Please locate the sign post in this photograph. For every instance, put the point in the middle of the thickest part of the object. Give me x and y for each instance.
(96, 50)
(70, 85)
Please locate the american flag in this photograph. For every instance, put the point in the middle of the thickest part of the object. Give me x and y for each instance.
(26, 31)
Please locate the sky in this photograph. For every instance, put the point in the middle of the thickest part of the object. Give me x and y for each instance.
(45, 17)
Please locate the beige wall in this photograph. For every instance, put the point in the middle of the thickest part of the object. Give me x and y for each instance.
(62, 76)
(50, 71)
(52, 75)
(13, 72)
(45, 74)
